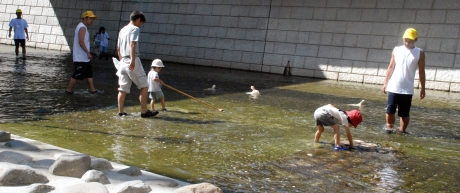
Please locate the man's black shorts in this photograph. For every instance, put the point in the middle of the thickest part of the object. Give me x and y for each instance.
(21, 42)
(82, 70)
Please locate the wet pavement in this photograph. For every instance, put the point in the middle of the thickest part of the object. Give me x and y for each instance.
(262, 145)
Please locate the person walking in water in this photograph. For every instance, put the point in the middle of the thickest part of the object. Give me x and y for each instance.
(81, 54)
(399, 80)
(130, 68)
(20, 33)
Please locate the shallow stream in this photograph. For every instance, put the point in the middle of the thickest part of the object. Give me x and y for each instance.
(255, 145)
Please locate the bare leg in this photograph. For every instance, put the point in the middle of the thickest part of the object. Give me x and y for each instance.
(72, 83)
(152, 104)
(16, 50)
(318, 133)
(121, 101)
(90, 84)
(163, 103)
(24, 50)
(336, 128)
(403, 122)
(143, 99)
(390, 118)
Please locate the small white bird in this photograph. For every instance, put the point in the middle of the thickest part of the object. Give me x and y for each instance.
(359, 104)
(211, 89)
(254, 93)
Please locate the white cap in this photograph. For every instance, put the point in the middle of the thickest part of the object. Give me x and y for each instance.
(157, 63)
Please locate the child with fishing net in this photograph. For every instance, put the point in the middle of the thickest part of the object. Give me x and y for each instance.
(155, 93)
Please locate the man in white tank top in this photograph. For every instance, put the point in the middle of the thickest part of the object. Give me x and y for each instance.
(81, 55)
(399, 80)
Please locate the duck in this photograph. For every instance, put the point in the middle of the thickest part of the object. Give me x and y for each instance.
(254, 93)
(359, 104)
(211, 89)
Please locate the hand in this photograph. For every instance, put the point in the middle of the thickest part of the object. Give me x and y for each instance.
(422, 94)
(9, 35)
(384, 88)
(131, 66)
(27, 38)
(89, 55)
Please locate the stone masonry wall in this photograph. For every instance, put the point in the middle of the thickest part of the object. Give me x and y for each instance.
(344, 40)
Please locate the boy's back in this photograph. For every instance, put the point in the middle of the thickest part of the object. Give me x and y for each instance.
(128, 34)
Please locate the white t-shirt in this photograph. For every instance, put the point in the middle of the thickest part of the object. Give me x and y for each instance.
(19, 25)
(104, 39)
(127, 34)
(406, 64)
(339, 116)
(153, 85)
(79, 55)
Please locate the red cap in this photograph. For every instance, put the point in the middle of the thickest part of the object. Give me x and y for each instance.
(355, 117)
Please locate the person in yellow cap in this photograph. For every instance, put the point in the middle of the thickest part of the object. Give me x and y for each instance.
(20, 33)
(81, 54)
(399, 80)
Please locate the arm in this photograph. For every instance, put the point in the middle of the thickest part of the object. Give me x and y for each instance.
(27, 33)
(133, 55)
(81, 41)
(350, 138)
(158, 80)
(119, 54)
(9, 32)
(421, 74)
(390, 69)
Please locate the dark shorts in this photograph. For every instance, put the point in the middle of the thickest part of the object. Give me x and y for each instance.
(82, 70)
(401, 101)
(19, 42)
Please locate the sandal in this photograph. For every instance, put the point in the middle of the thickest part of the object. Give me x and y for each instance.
(67, 92)
(95, 91)
(149, 114)
(122, 114)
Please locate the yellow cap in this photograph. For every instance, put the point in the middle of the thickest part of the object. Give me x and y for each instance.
(410, 33)
(89, 14)
(18, 11)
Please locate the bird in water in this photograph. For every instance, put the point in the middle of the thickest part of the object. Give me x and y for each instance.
(212, 89)
(359, 104)
(254, 93)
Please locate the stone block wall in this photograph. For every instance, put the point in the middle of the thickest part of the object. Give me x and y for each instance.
(344, 40)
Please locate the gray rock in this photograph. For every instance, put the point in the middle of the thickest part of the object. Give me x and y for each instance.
(44, 163)
(92, 187)
(162, 183)
(38, 188)
(21, 145)
(100, 164)
(71, 165)
(135, 186)
(14, 157)
(199, 188)
(5, 136)
(95, 176)
(131, 171)
(19, 175)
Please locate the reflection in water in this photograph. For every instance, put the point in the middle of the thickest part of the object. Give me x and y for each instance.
(262, 145)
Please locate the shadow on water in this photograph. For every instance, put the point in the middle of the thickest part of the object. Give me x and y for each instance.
(262, 145)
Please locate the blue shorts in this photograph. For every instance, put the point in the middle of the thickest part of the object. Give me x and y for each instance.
(104, 49)
(401, 101)
(82, 70)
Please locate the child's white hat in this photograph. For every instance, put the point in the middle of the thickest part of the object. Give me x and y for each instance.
(157, 63)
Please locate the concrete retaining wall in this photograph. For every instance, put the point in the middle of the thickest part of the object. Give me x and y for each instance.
(345, 40)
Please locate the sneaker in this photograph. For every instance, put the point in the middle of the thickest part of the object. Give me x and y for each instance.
(17, 57)
(389, 131)
(67, 92)
(149, 114)
(164, 109)
(122, 114)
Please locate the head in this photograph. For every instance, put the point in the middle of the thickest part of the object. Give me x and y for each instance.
(354, 117)
(410, 37)
(88, 17)
(157, 64)
(137, 18)
(102, 29)
(19, 13)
